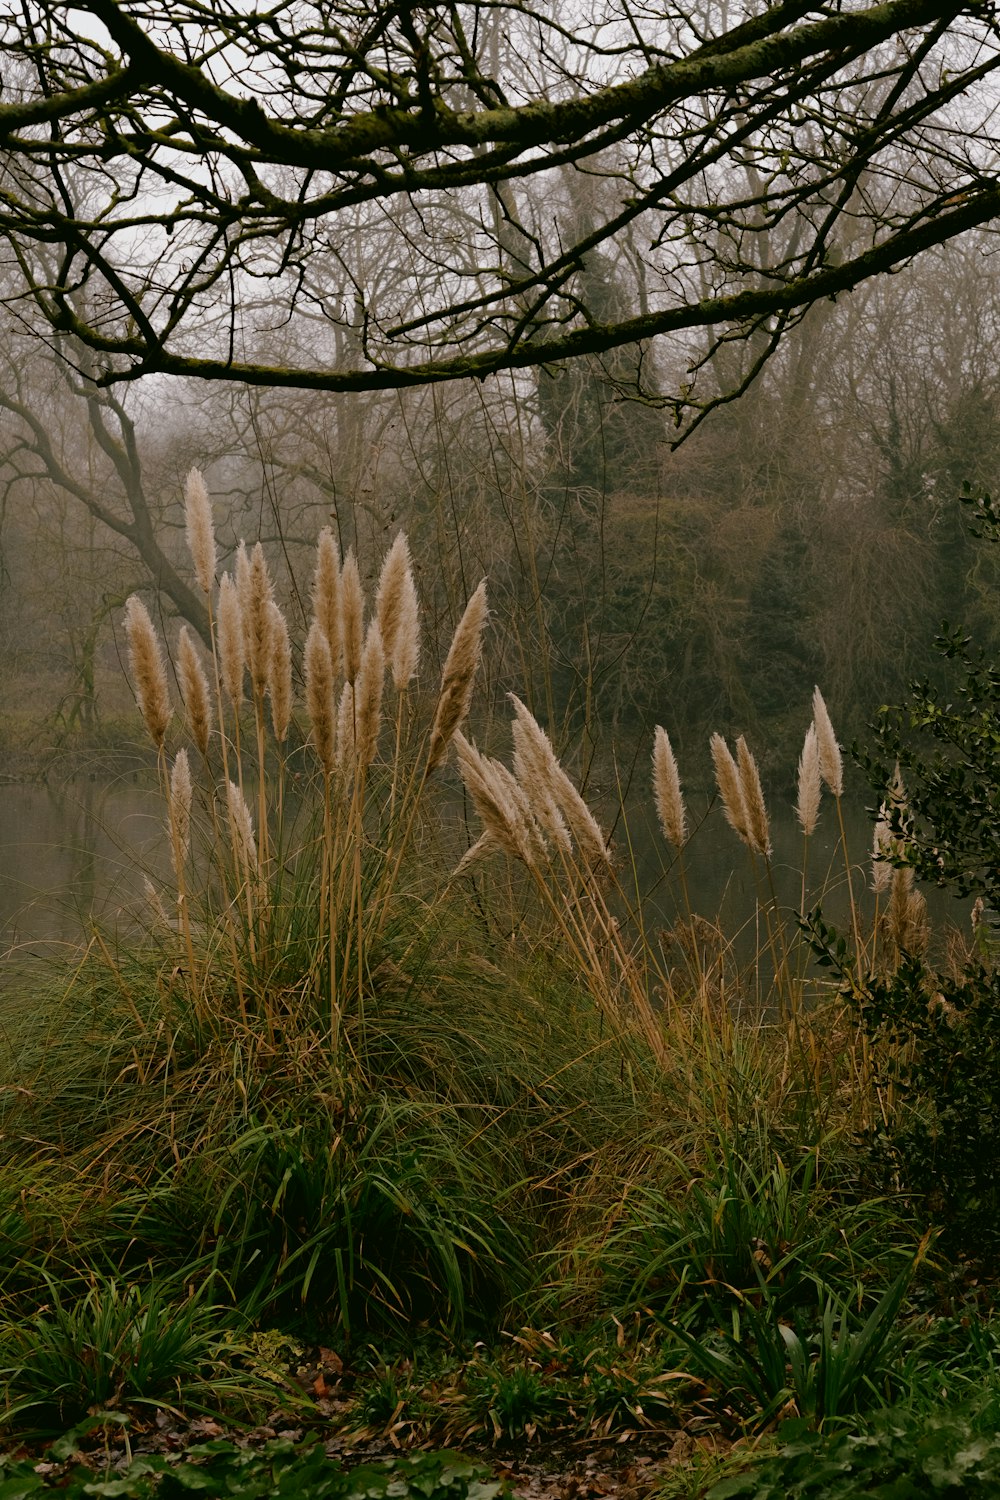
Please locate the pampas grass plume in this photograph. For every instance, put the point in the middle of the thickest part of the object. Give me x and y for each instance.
(667, 790)
(320, 701)
(730, 787)
(398, 613)
(758, 825)
(200, 530)
(241, 826)
(279, 681)
(882, 847)
(232, 656)
(810, 783)
(458, 678)
(256, 597)
(326, 594)
(346, 736)
(194, 691)
(831, 763)
(352, 615)
(369, 686)
(180, 810)
(149, 672)
(544, 778)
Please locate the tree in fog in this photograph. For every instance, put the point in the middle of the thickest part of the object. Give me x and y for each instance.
(358, 197)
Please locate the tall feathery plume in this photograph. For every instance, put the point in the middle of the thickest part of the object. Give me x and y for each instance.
(241, 829)
(810, 782)
(149, 672)
(256, 598)
(458, 677)
(279, 677)
(667, 790)
(326, 594)
(882, 851)
(320, 700)
(352, 615)
(369, 686)
(491, 800)
(232, 654)
(200, 530)
(758, 825)
(544, 775)
(346, 736)
(531, 772)
(180, 812)
(907, 913)
(730, 788)
(398, 613)
(194, 691)
(831, 762)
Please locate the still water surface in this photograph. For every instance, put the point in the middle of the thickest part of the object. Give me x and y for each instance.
(75, 853)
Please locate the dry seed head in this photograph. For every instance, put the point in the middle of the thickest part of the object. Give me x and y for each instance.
(395, 566)
(730, 788)
(200, 530)
(256, 598)
(758, 825)
(907, 913)
(831, 762)
(532, 774)
(241, 830)
(458, 677)
(346, 732)
(194, 691)
(232, 654)
(371, 679)
(180, 811)
(810, 782)
(552, 782)
(352, 615)
(882, 850)
(149, 672)
(490, 798)
(320, 701)
(326, 593)
(667, 790)
(529, 832)
(279, 677)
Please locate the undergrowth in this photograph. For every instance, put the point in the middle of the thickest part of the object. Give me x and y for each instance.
(400, 1055)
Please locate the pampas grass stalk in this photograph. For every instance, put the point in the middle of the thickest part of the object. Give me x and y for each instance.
(545, 777)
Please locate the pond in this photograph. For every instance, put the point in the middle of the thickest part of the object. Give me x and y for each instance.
(76, 852)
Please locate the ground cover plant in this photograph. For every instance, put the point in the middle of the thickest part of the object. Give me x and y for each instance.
(395, 1108)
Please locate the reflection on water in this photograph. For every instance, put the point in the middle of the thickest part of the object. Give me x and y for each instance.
(75, 852)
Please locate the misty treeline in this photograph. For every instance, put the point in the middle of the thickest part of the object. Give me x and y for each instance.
(809, 532)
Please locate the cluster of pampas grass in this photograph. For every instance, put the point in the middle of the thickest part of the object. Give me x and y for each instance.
(253, 875)
(239, 709)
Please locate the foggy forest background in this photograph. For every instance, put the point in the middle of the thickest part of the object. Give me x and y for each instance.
(809, 532)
